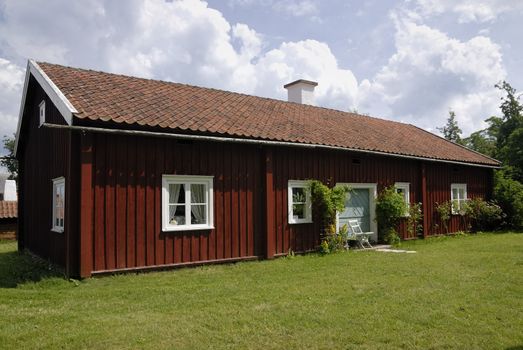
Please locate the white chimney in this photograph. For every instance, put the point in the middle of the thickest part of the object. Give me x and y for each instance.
(10, 190)
(301, 91)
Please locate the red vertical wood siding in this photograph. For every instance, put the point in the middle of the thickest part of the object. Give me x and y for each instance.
(439, 179)
(127, 202)
(330, 167)
(338, 167)
(86, 206)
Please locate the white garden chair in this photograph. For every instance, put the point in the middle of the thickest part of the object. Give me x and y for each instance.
(357, 234)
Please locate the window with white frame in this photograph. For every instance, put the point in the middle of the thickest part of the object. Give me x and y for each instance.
(42, 112)
(458, 196)
(187, 202)
(58, 204)
(299, 202)
(403, 188)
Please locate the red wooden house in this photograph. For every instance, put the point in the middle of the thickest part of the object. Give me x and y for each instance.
(119, 173)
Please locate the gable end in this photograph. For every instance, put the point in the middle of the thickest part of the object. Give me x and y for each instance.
(61, 102)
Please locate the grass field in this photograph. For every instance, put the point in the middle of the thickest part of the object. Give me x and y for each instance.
(459, 292)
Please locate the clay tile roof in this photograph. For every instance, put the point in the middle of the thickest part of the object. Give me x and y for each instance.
(144, 103)
(8, 209)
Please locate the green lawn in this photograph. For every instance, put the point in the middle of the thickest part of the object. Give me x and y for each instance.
(460, 292)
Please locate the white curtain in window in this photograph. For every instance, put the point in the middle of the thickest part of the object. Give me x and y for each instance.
(174, 194)
(198, 196)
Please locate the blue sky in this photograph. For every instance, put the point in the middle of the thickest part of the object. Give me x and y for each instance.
(409, 61)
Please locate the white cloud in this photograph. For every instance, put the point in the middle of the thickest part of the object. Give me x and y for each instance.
(432, 72)
(469, 10)
(188, 42)
(184, 41)
(11, 83)
(308, 59)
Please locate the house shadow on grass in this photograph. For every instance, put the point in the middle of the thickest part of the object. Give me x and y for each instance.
(19, 268)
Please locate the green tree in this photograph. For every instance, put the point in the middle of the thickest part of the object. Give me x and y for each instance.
(512, 118)
(512, 153)
(508, 193)
(508, 131)
(9, 161)
(481, 141)
(451, 131)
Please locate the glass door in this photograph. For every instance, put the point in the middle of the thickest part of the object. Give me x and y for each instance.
(357, 206)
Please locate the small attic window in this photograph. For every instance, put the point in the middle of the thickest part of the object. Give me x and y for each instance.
(356, 161)
(42, 113)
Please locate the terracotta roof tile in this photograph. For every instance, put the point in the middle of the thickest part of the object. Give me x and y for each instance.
(177, 107)
(8, 209)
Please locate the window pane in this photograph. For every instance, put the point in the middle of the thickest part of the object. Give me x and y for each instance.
(461, 193)
(176, 193)
(177, 214)
(298, 211)
(399, 190)
(298, 195)
(198, 214)
(454, 193)
(198, 194)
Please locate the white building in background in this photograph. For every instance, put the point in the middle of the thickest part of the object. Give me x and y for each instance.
(7, 188)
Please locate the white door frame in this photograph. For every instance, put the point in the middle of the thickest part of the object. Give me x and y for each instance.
(373, 194)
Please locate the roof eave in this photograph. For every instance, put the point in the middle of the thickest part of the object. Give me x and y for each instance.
(200, 137)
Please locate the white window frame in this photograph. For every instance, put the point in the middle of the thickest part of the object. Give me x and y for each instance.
(187, 180)
(308, 205)
(59, 181)
(405, 186)
(456, 210)
(41, 113)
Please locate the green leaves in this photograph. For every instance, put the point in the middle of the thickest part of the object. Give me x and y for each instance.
(327, 201)
(508, 193)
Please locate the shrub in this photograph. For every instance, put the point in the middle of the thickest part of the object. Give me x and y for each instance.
(326, 202)
(414, 226)
(390, 208)
(444, 212)
(391, 237)
(333, 241)
(508, 193)
(484, 216)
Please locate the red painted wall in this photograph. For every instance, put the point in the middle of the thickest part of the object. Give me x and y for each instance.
(127, 175)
